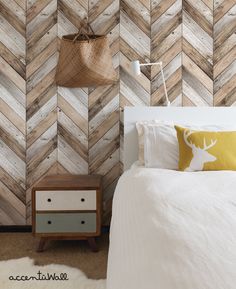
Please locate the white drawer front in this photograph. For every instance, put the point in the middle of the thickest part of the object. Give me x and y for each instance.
(65, 200)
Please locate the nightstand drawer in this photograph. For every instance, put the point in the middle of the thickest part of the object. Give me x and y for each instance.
(66, 223)
(66, 200)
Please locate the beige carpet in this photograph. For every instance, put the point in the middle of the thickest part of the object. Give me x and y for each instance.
(71, 253)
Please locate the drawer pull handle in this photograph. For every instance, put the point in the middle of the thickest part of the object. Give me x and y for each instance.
(49, 200)
(82, 222)
(82, 200)
(49, 222)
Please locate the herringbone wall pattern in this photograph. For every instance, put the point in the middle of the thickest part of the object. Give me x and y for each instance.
(72, 115)
(197, 55)
(41, 104)
(104, 105)
(135, 41)
(166, 46)
(224, 52)
(45, 129)
(12, 112)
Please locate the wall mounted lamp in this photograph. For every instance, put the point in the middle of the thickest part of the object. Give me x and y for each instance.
(136, 69)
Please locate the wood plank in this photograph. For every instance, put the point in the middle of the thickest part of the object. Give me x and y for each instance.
(10, 73)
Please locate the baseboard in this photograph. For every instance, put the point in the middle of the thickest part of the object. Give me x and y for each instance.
(15, 229)
(28, 228)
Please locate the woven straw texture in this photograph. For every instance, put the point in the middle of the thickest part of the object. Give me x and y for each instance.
(85, 63)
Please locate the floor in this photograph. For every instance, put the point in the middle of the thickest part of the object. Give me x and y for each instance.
(70, 253)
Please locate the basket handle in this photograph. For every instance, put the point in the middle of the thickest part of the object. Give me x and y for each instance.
(84, 30)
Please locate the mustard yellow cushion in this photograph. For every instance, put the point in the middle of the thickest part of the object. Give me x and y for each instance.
(206, 150)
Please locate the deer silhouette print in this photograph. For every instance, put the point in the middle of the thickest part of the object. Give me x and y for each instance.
(200, 155)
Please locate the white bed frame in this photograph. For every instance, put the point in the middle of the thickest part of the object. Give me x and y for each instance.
(194, 115)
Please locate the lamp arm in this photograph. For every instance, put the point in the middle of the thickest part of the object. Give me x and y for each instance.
(164, 84)
(150, 63)
(162, 75)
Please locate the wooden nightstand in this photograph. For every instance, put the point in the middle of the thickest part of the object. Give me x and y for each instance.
(67, 207)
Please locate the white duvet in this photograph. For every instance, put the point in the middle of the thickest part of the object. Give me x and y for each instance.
(173, 230)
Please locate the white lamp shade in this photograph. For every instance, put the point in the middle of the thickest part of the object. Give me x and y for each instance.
(135, 66)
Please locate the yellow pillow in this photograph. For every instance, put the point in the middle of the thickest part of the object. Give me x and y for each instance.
(206, 150)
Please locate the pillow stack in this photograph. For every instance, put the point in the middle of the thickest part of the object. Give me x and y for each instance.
(186, 147)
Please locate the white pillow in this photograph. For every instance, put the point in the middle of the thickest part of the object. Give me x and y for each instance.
(161, 148)
(160, 144)
(140, 129)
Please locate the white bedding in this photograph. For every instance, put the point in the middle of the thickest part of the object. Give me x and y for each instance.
(173, 230)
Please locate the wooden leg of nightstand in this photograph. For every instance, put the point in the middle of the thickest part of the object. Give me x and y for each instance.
(41, 245)
(93, 245)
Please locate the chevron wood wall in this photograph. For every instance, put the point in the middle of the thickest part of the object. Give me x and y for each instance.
(12, 112)
(41, 104)
(72, 104)
(104, 105)
(166, 46)
(197, 55)
(45, 129)
(135, 43)
(224, 52)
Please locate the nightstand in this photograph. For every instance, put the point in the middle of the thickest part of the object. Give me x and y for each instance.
(67, 207)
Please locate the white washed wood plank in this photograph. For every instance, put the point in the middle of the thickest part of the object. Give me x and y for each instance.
(12, 39)
(197, 89)
(65, 26)
(11, 163)
(225, 21)
(12, 199)
(100, 146)
(13, 89)
(42, 43)
(12, 131)
(74, 97)
(42, 168)
(102, 115)
(41, 17)
(45, 68)
(16, 9)
(225, 76)
(73, 129)
(41, 114)
(134, 36)
(197, 37)
(10, 73)
(199, 73)
(99, 24)
(36, 147)
(76, 164)
(77, 8)
(12, 102)
(203, 9)
(109, 163)
(166, 17)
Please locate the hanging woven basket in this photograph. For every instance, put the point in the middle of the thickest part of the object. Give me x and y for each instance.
(85, 60)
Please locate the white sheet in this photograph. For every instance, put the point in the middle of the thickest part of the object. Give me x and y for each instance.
(173, 230)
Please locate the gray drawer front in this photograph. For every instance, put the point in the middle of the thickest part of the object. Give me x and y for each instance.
(66, 223)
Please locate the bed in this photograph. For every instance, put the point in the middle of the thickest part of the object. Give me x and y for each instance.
(172, 229)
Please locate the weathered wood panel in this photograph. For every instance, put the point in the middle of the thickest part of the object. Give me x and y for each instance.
(197, 52)
(72, 103)
(224, 53)
(166, 46)
(104, 102)
(135, 43)
(41, 105)
(12, 113)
